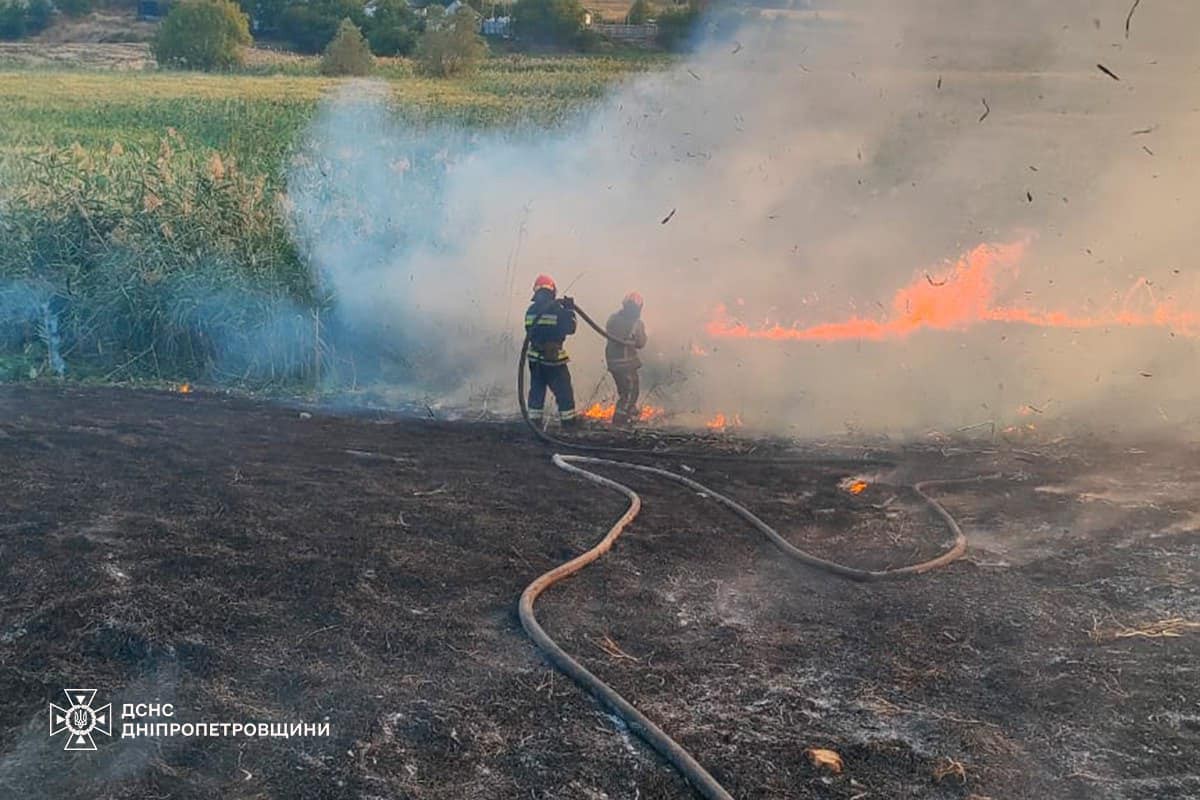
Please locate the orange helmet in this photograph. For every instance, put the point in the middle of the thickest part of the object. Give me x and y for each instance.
(544, 281)
(633, 299)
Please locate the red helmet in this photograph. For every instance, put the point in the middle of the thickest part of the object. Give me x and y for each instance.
(544, 281)
(633, 299)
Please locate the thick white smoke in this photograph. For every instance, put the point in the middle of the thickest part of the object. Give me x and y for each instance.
(811, 165)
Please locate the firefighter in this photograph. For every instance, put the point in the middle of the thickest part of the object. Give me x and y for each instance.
(548, 322)
(623, 362)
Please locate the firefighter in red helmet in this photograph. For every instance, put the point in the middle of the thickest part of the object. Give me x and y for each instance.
(548, 322)
(623, 362)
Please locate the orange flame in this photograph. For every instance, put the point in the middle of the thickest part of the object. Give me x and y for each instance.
(185, 388)
(605, 412)
(857, 487)
(963, 297)
(597, 411)
(720, 422)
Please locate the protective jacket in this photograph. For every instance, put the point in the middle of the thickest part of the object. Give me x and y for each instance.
(627, 326)
(548, 323)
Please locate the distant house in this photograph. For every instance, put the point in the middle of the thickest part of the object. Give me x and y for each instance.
(459, 5)
(497, 26)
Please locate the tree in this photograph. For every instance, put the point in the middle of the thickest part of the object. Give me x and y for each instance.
(678, 26)
(310, 26)
(549, 21)
(451, 45)
(640, 12)
(393, 28)
(202, 34)
(13, 22)
(266, 16)
(348, 53)
(74, 8)
(23, 17)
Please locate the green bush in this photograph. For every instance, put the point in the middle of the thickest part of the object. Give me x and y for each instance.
(266, 16)
(19, 18)
(676, 27)
(164, 262)
(75, 8)
(589, 41)
(348, 53)
(393, 29)
(202, 34)
(640, 12)
(37, 15)
(549, 21)
(12, 19)
(451, 45)
(311, 26)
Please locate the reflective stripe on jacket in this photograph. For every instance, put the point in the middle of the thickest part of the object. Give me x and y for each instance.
(548, 324)
(629, 328)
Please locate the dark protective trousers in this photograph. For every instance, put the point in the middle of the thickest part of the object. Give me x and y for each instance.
(556, 378)
(626, 379)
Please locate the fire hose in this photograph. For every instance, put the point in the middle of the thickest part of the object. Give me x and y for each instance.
(635, 720)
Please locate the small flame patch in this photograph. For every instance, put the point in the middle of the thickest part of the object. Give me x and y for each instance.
(606, 411)
(853, 485)
(185, 388)
(720, 422)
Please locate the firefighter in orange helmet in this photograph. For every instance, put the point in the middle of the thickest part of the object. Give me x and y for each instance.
(623, 362)
(548, 322)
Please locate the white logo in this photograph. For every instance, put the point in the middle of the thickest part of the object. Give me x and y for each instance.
(79, 719)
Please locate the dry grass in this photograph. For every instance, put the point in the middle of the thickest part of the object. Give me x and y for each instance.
(86, 56)
(107, 25)
(610, 10)
(1169, 628)
(950, 768)
(825, 759)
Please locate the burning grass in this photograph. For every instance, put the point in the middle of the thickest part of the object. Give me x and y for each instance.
(968, 294)
(604, 412)
(721, 422)
(856, 486)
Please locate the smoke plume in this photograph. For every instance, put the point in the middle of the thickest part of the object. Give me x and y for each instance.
(810, 168)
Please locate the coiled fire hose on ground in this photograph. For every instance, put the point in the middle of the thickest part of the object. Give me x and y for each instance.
(639, 723)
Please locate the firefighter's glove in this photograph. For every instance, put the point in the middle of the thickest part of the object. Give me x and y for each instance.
(568, 303)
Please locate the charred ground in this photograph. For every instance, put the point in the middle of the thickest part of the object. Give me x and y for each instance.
(246, 562)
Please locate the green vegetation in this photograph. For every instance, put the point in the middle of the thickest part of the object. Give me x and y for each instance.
(450, 46)
(23, 17)
(391, 27)
(556, 22)
(144, 227)
(348, 53)
(167, 257)
(677, 26)
(640, 12)
(75, 8)
(202, 34)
